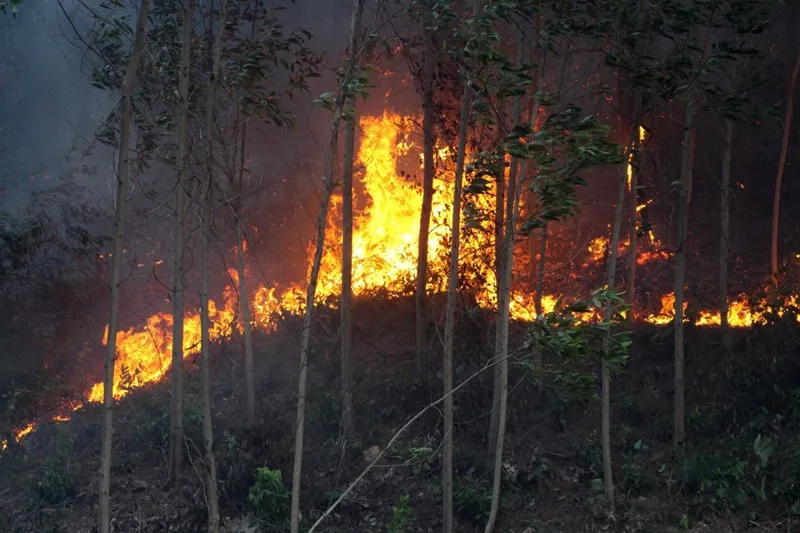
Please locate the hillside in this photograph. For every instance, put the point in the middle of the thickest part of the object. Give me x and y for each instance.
(740, 470)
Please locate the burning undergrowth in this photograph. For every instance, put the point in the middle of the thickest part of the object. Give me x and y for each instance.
(386, 230)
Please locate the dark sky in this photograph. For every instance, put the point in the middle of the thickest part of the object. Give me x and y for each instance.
(48, 109)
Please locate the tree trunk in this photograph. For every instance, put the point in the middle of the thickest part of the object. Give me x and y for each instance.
(503, 305)
(501, 344)
(355, 22)
(630, 286)
(725, 212)
(116, 264)
(608, 481)
(537, 299)
(450, 315)
(212, 499)
(244, 304)
(206, 213)
(687, 162)
(347, 276)
(244, 297)
(500, 218)
(176, 404)
(776, 203)
(423, 356)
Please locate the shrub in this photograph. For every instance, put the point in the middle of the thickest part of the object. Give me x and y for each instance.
(472, 499)
(268, 496)
(57, 482)
(401, 517)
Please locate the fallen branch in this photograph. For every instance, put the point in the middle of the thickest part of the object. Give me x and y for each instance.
(399, 432)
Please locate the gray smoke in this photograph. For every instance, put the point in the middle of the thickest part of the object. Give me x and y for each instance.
(48, 109)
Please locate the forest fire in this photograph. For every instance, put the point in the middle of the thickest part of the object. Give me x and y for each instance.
(384, 259)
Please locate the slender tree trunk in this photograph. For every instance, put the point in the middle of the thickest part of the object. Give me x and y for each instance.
(542, 260)
(423, 356)
(302, 386)
(176, 411)
(212, 498)
(503, 304)
(500, 195)
(499, 220)
(244, 296)
(608, 481)
(247, 329)
(776, 203)
(630, 292)
(687, 161)
(450, 310)
(501, 345)
(450, 315)
(347, 276)
(499, 262)
(116, 264)
(725, 212)
(206, 212)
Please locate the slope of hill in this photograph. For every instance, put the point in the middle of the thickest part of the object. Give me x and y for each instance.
(740, 470)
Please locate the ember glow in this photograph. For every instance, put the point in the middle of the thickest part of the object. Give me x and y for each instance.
(385, 234)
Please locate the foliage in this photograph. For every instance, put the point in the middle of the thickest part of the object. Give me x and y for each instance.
(727, 480)
(268, 496)
(471, 499)
(419, 458)
(57, 481)
(566, 334)
(10, 5)
(597, 501)
(258, 55)
(566, 145)
(401, 517)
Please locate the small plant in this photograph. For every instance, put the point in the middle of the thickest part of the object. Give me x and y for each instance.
(634, 480)
(401, 516)
(729, 480)
(56, 484)
(598, 503)
(58, 481)
(420, 459)
(472, 499)
(587, 455)
(268, 496)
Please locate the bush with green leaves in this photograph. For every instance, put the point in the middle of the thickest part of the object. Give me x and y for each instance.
(56, 484)
(57, 481)
(573, 346)
(728, 480)
(401, 517)
(268, 496)
(472, 499)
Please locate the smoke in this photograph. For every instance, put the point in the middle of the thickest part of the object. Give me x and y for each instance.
(48, 109)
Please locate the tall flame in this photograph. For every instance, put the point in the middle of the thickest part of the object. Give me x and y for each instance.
(385, 234)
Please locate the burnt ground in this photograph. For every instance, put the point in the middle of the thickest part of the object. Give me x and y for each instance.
(725, 478)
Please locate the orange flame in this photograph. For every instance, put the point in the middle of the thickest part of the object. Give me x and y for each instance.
(385, 234)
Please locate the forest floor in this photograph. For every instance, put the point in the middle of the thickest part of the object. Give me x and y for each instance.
(739, 470)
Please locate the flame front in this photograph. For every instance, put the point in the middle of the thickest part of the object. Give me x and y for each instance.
(385, 241)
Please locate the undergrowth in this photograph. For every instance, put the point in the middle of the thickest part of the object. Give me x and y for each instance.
(741, 459)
